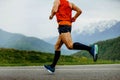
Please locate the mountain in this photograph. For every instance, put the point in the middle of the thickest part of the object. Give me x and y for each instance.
(100, 31)
(108, 50)
(21, 42)
(94, 32)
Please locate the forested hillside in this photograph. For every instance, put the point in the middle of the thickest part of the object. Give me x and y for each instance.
(21, 42)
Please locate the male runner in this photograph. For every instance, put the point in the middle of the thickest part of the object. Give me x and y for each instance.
(63, 11)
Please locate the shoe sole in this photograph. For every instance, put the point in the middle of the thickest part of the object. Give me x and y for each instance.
(96, 53)
(48, 70)
(96, 49)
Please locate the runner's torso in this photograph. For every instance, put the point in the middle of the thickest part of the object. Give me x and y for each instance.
(64, 13)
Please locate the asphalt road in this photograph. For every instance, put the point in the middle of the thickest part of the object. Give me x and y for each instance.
(76, 72)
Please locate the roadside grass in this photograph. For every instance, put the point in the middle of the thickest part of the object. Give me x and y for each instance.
(88, 62)
(12, 57)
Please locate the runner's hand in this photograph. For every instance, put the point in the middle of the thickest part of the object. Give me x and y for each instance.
(50, 17)
(73, 19)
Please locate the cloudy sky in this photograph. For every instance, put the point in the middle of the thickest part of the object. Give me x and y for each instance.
(30, 17)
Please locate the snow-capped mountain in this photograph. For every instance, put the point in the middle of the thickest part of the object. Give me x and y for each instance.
(94, 32)
(100, 26)
(98, 31)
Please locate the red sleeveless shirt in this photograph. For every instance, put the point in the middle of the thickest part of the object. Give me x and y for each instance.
(64, 13)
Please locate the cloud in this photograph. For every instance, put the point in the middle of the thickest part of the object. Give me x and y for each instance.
(30, 17)
(26, 17)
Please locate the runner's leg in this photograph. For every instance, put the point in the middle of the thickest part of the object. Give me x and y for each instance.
(58, 45)
(67, 40)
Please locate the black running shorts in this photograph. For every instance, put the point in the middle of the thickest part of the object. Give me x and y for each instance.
(64, 29)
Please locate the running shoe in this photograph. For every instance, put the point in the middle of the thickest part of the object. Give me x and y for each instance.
(94, 52)
(49, 68)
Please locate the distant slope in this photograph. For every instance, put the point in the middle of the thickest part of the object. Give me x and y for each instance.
(21, 42)
(108, 49)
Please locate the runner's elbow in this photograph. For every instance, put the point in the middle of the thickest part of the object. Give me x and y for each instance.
(79, 11)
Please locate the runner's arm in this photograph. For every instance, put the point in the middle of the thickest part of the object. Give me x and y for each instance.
(78, 12)
(54, 8)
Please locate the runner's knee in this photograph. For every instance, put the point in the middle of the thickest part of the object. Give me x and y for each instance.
(57, 48)
(70, 46)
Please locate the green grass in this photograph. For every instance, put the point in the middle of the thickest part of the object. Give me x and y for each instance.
(12, 57)
(62, 63)
(85, 61)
